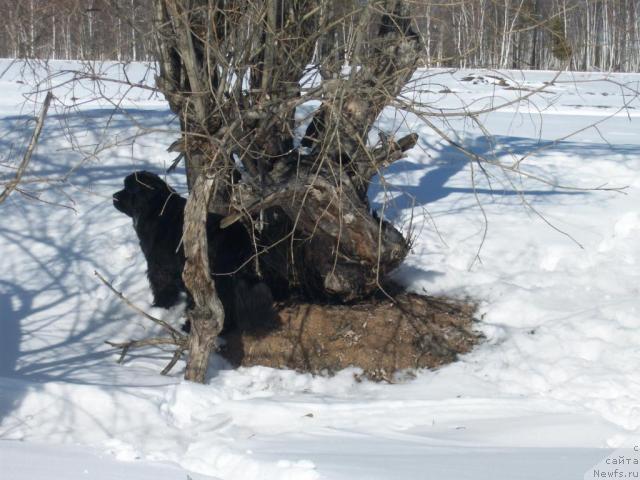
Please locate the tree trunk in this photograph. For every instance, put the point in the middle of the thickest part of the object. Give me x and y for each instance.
(232, 72)
(207, 315)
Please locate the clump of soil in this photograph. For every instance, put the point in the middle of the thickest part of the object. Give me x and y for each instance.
(379, 336)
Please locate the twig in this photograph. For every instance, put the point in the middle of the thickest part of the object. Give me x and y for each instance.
(177, 338)
(176, 356)
(175, 334)
(27, 155)
(125, 346)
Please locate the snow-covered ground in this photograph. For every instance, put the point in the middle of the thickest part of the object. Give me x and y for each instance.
(556, 273)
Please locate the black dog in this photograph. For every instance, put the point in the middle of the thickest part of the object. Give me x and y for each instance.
(158, 216)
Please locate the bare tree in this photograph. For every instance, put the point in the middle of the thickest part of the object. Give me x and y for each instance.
(235, 72)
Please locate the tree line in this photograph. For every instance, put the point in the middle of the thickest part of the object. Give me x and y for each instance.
(519, 34)
(77, 29)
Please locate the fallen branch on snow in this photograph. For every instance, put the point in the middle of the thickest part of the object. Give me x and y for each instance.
(176, 338)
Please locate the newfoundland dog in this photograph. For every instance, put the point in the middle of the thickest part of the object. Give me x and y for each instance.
(158, 214)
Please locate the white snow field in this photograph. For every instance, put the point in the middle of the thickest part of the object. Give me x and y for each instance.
(552, 391)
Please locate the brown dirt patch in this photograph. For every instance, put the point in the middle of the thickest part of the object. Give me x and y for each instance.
(379, 336)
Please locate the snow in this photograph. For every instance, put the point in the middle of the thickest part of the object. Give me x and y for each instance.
(27, 461)
(552, 391)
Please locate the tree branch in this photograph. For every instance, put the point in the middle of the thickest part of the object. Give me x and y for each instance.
(175, 334)
(177, 338)
(11, 185)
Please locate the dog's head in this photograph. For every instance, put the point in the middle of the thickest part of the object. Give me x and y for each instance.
(144, 193)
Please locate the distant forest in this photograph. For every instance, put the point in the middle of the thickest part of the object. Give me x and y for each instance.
(520, 34)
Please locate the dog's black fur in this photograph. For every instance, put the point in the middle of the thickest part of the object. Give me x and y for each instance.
(158, 216)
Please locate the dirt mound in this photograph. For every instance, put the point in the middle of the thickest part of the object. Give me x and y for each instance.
(379, 336)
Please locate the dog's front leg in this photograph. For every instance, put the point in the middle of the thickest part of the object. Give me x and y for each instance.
(165, 286)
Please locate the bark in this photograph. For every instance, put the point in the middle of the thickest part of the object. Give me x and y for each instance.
(207, 315)
(339, 250)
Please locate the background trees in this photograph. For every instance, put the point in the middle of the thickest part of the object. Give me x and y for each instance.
(77, 29)
(522, 34)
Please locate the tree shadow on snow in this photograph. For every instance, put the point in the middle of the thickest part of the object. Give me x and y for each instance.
(89, 131)
(420, 183)
(50, 328)
(435, 174)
